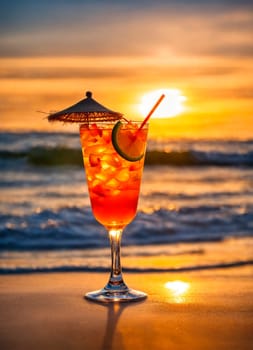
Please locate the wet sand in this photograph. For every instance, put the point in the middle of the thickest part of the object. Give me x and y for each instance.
(201, 310)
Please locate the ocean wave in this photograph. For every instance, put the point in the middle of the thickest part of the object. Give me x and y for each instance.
(199, 158)
(75, 228)
(58, 156)
(69, 268)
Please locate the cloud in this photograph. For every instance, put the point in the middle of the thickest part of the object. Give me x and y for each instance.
(118, 28)
(61, 73)
(121, 71)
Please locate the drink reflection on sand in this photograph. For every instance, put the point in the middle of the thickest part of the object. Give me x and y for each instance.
(111, 335)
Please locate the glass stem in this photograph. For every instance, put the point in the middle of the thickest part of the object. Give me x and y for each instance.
(116, 282)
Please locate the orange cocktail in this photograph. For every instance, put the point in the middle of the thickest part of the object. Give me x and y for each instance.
(113, 182)
(113, 158)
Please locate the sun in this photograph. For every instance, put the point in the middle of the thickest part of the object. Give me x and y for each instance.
(171, 106)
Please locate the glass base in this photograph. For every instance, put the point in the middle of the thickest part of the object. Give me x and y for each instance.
(105, 296)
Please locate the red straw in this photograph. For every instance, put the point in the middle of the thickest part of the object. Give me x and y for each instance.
(152, 111)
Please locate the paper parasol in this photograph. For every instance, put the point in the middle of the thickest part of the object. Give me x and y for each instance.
(85, 111)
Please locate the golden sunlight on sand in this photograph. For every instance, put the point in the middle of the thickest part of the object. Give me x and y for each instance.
(177, 289)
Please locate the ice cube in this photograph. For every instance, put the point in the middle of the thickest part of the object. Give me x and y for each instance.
(123, 175)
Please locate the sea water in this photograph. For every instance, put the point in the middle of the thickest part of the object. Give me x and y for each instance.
(195, 208)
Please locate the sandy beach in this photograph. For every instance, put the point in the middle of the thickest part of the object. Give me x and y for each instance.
(196, 310)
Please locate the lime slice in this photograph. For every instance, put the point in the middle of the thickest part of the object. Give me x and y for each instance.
(127, 144)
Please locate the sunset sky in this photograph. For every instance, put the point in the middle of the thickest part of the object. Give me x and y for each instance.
(51, 52)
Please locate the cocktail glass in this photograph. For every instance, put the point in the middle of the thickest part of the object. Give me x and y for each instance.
(114, 187)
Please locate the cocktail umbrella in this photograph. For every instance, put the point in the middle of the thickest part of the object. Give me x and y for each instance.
(85, 111)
